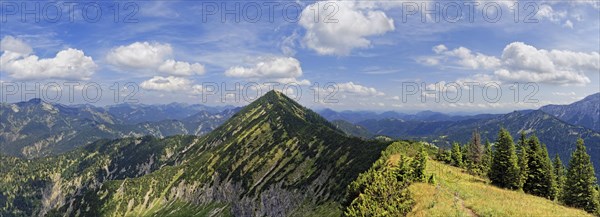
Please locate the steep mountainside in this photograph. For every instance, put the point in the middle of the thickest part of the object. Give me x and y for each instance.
(585, 112)
(273, 158)
(36, 128)
(558, 136)
(352, 129)
(34, 187)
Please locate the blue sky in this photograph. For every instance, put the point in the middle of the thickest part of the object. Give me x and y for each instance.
(374, 51)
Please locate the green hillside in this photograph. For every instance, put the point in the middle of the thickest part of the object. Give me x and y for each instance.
(456, 193)
(558, 136)
(272, 158)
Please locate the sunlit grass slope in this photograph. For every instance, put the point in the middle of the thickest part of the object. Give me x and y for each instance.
(459, 194)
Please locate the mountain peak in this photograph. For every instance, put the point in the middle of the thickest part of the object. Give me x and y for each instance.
(275, 95)
(31, 102)
(273, 98)
(273, 92)
(277, 109)
(35, 101)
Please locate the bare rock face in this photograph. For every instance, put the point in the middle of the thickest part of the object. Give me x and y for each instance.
(273, 201)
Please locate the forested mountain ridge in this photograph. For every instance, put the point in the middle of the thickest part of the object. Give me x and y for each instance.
(272, 158)
(558, 131)
(558, 136)
(37, 129)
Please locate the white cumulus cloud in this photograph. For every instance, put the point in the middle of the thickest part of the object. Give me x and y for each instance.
(440, 48)
(348, 28)
(140, 55)
(521, 62)
(170, 84)
(15, 45)
(181, 68)
(357, 89)
(461, 56)
(280, 69)
(151, 56)
(19, 63)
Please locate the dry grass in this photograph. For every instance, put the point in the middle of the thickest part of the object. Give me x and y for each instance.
(433, 201)
(459, 194)
(393, 160)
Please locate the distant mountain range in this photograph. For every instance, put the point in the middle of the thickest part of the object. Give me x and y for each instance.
(559, 137)
(558, 129)
(272, 158)
(584, 113)
(352, 129)
(358, 116)
(36, 128)
(140, 113)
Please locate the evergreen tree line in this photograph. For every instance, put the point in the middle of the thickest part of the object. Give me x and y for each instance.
(383, 189)
(526, 166)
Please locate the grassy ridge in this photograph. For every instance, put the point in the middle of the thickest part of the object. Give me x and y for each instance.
(459, 194)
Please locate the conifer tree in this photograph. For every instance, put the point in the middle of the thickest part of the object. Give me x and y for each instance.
(597, 200)
(549, 168)
(522, 155)
(559, 174)
(464, 153)
(540, 178)
(444, 156)
(419, 165)
(581, 181)
(474, 154)
(487, 158)
(456, 154)
(505, 169)
(522, 141)
(381, 192)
